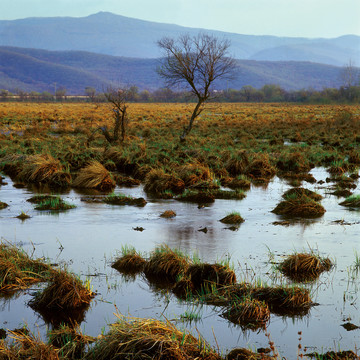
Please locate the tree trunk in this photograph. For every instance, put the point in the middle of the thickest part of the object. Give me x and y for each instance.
(194, 115)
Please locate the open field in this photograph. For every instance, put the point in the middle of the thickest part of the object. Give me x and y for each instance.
(251, 225)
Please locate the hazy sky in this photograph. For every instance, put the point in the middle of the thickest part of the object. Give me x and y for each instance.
(308, 18)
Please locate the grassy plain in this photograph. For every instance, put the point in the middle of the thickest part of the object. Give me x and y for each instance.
(228, 141)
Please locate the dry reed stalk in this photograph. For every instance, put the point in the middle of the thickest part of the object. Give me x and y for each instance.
(94, 176)
(134, 338)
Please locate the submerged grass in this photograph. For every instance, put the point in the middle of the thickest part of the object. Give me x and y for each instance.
(53, 203)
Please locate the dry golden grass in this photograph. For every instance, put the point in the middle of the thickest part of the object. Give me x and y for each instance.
(166, 264)
(249, 313)
(304, 267)
(18, 270)
(299, 207)
(64, 292)
(94, 176)
(158, 182)
(27, 346)
(44, 169)
(168, 214)
(232, 219)
(134, 338)
(205, 275)
(129, 263)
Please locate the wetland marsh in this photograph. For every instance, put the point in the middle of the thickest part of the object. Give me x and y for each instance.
(272, 148)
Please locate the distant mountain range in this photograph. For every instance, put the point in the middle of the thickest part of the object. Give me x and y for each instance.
(39, 70)
(111, 34)
(104, 49)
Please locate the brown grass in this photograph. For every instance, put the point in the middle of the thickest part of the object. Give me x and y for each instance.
(283, 298)
(299, 192)
(94, 176)
(249, 313)
(64, 292)
(157, 182)
(44, 169)
(299, 207)
(129, 263)
(232, 219)
(193, 174)
(25, 345)
(205, 275)
(304, 267)
(165, 264)
(134, 338)
(168, 214)
(18, 270)
(70, 341)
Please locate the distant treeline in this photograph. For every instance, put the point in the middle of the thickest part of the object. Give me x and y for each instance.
(268, 93)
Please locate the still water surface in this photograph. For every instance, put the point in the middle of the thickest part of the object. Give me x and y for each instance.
(88, 238)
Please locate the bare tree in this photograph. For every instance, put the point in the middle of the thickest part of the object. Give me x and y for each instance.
(195, 63)
(118, 101)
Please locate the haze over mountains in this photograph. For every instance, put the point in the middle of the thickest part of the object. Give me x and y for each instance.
(103, 48)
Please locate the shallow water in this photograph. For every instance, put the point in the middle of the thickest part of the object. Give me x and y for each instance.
(87, 239)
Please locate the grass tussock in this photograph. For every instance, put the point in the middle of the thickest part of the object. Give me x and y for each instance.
(204, 276)
(249, 313)
(64, 292)
(166, 264)
(70, 342)
(199, 197)
(3, 205)
(195, 173)
(18, 270)
(121, 199)
(352, 201)
(130, 261)
(168, 214)
(25, 345)
(44, 169)
(299, 192)
(94, 176)
(134, 338)
(299, 207)
(304, 267)
(284, 299)
(54, 203)
(157, 182)
(233, 218)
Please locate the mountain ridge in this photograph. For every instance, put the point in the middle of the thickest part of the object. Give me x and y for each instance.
(118, 35)
(38, 70)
